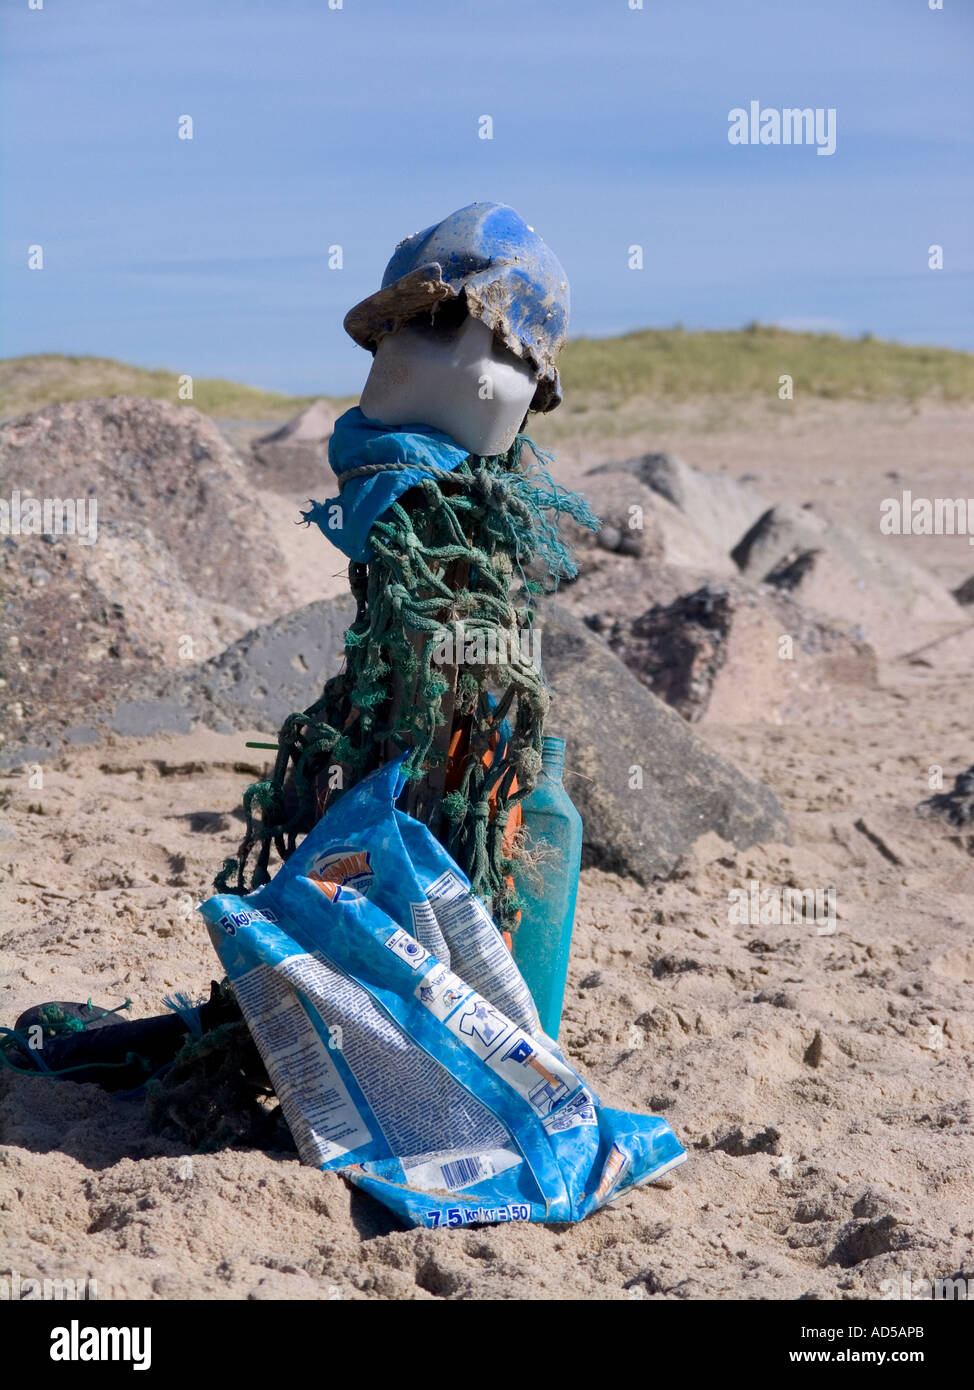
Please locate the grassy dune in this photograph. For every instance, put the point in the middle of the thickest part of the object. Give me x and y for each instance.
(707, 381)
(673, 365)
(28, 383)
(622, 378)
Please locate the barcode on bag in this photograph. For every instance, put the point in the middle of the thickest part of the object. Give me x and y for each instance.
(462, 1172)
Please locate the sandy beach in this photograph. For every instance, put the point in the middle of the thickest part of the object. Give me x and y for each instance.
(820, 1079)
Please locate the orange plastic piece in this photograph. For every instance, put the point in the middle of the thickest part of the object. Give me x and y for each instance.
(457, 755)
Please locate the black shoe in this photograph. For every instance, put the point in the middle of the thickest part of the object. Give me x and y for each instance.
(80, 1042)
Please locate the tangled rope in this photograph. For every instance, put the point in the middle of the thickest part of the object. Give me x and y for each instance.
(442, 640)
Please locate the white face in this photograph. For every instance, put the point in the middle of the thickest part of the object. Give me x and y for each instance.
(462, 382)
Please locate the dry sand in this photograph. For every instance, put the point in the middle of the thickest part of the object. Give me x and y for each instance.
(821, 1083)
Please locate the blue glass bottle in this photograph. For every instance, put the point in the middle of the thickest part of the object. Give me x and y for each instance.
(542, 939)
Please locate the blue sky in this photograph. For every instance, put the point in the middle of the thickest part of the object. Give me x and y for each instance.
(357, 126)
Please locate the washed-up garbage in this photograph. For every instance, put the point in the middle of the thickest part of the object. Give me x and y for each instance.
(401, 1039)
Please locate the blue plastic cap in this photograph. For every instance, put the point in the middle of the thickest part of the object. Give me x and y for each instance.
(510, 279)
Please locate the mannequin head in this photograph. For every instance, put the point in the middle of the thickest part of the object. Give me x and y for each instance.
(448, 370)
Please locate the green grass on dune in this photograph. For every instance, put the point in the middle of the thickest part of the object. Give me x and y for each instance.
(29, 383)
(664, 366)
(673, 365)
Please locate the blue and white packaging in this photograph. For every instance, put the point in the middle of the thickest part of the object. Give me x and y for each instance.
(402, 1041)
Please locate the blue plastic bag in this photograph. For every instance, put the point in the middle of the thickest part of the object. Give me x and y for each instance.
(357, 441)
(401, 1040)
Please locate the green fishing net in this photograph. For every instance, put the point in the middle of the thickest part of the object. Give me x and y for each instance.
(443, 637)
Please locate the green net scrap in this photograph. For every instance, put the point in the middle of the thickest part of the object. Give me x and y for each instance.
(443, 633)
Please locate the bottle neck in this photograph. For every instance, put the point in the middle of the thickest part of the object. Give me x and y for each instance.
(552, 758)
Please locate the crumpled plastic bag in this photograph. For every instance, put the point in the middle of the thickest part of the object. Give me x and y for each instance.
(402, 1041)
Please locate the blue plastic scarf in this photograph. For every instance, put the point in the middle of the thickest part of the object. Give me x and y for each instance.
(346, 520)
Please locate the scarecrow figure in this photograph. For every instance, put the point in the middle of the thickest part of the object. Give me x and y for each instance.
(449, 519)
